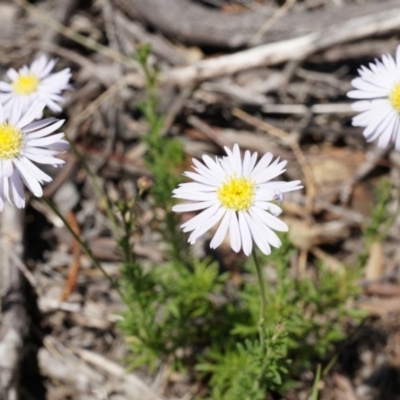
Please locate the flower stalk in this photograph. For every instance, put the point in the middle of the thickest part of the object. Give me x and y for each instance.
(263, 299)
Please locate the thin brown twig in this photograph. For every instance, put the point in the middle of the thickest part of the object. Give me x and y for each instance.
(76, 264)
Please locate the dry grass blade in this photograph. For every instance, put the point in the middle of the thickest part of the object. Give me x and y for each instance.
(76, 252)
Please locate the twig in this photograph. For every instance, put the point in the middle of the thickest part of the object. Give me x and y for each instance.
(369, 165)
(293, 49)
(137, 388)
(76, 252)
(207, 130)
(76, 37)
(13, 318)
(272, 21)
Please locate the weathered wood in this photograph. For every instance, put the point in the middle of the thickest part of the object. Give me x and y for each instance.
(13, 319)
(194, 24)
(292, 49)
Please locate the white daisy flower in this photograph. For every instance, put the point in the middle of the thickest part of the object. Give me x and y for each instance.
(379, 88)
(238, 193)
(23, 143)
(36, 81)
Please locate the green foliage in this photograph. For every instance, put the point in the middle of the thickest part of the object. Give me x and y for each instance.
(172, 310)
(246, 371)
(305, 318)
(163, 157)
(381, 218)
(164, 154)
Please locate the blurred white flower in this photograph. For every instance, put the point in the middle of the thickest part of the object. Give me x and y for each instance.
(379, 88)
(238, 194)
(35, 82)
(21, 142)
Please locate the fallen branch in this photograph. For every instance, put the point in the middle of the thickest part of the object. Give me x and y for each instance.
(293, 49)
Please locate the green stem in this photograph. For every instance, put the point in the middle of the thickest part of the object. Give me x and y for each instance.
(263, 301)
(86, 250)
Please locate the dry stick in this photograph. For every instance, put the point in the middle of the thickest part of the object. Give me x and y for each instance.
(108, 14)
(76, 37)
(80, 118)
(160, 45)
(94, 105)
(87, 251)
(207, 130)
(137, 388)
(272, 21)
(14, 321)
(175, 109)
(293, 49)
(133, 78)
(368, 166)
(279, 133)
(61, 12)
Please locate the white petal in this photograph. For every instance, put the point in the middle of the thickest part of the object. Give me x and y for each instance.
(257, 235)
(44, 131)
(33, 112)
(31, 182)
(396, 129)
(2, 199)
(36, 172)
(34, 126)
(271, 207)
(220, 234)
(17, 190)
(215, 167)
(205, 177)
(385, 127)
(38, 65)
(12, 74)
(46, 141)
(234, 233)
(53, 106)
(200, 219)
(192, 206)
(200, 178)
(262, 164)
(270, 220)
(247, 242)
(207, 225)
(275, 169)
(6, 168)
(238, 159)
(15, 111)
(197, 187)
(5, 87)
(40, 159)
(268, 233)
(180, 193)
(246, 163)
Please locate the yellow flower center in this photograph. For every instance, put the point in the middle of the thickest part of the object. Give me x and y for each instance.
(11, 141)
(25, 84)
(237, 193)
(394, 97)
